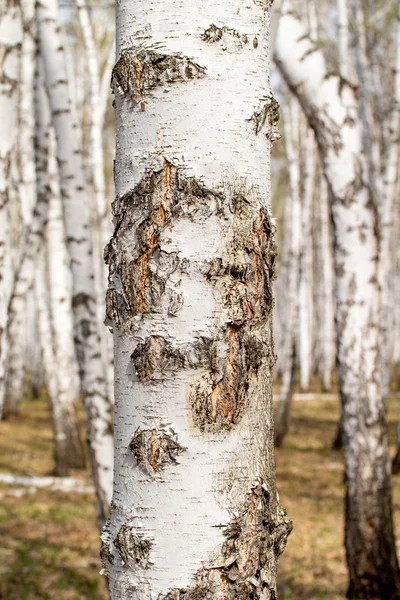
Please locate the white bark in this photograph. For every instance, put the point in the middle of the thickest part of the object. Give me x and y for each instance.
(305, 291)
(343, 40)
(290, 328)
(17, 325)
(190, 269)
(10, 42)
(101, 230)
(389, 210)
(68, 451)
(327, 335)
(76, 218)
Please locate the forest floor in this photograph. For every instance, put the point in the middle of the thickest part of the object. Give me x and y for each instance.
(49, 544)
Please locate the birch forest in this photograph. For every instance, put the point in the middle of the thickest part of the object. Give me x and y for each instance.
(199, 300)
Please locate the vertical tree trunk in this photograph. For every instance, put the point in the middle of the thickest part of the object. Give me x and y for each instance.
(290, 326)
(305, 291)
(76, 218)
(10, 46)
(69, 451)
(332, 111)
(389, 212)
(327, 308)
(343, 39)
(195, 511)
(54, 303)
(16, 365)
(101, 230)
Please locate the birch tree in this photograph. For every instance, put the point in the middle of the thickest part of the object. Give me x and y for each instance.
(331, 107)
(76, 218)
(26, 190)
(101, 227)
(195, 511)
(327, 309)
(306, 297)
(293, 240)
(10, 46)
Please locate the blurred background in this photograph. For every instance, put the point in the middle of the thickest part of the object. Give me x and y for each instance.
(49, 538)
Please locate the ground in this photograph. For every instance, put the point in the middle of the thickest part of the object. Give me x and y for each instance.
(50, 544)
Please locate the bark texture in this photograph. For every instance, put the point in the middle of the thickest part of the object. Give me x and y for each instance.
(190, 299)
(331, 106)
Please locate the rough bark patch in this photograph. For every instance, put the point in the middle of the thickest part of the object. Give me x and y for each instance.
(154, 449)
(241, 276)
(143, 269)
(267, 114)
(133, 548)
(249, 556)
(228, 37)
(138, 71)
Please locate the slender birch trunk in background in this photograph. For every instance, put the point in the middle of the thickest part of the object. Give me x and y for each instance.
(69, 449)
(290, 326)
(76, 218)
(389, 213)
(17, 324)
(50, 365)
(305, 291)
(327, 307)
(101, 230)
(54, 302)
(195, 511)
(343, 39)
(10, 47)
(331, 107)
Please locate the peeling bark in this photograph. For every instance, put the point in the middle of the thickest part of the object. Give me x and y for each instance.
(138, 71)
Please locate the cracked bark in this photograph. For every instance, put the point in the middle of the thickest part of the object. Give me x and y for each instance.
(331, 107)
(190, 299)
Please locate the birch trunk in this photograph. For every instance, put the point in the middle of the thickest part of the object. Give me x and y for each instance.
(388, 214)
(290, 326)
(343, 39)
(76, 218)
(10, 46)
(327, 324)
(101, 231)
(195, 511)
(332, 111)
(305, 290)
(17, 323)
(69, 449)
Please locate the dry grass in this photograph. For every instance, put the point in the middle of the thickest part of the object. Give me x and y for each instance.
(310, 483)
(49, 543)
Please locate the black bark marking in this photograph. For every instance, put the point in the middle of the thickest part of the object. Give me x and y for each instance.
(139, 71)
(267, 114)
(133, 548)
(214, 34)
(155, 449)
(155, 357)
(254, 541)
